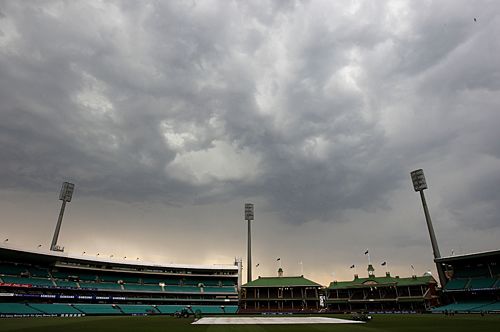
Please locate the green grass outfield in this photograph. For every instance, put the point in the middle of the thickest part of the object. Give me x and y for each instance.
(457, 323)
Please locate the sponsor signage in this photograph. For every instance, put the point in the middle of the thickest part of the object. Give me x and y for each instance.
(10, 284)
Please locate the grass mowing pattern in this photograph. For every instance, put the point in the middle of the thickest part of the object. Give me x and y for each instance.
(380, 323)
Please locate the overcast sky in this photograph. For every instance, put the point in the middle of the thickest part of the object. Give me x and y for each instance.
(170, 115)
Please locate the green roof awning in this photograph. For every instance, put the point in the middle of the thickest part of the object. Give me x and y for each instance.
(281, 282)
(382, 282)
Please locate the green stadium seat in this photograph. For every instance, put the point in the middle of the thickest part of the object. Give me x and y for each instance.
(208, 309)
(38, 272)
(456, 284)
(182, 289)
(103, 285)
(138, 309)
(87, 285)
(11, 269)
(98, 309)
(56, 308)
(166, 281)
(86, 277)
(463, 307)
(59, 275)
(148, 280)
(81, 276)
(142, 288)
(100, 285)
(480, 283)
(64, 283)
(116, 278)
(215, 309)
(211, 283)
(229, 283)
(231, 309)
(169, 309)
(191, 282)
(18, 309)
(492, 307)
(473, 272)
(29, 281)
(219, 290)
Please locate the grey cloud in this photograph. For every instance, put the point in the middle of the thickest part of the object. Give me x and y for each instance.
(88, 95)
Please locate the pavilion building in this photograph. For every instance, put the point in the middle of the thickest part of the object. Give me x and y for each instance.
(382, 294)
(280, 294)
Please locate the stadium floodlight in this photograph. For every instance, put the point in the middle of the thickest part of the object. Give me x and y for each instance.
(66, 193)
(249, 216)
(420, 184)
(249, 211)
(65, 196)
(418, 179)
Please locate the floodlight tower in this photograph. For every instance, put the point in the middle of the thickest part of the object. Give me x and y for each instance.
(65, 196)
(249, 216)
(419, 184)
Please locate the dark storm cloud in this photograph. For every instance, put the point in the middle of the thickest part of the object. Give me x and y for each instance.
(310, 106)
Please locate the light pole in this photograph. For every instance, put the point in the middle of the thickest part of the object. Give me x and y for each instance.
(249, 216)
(419, 184)
(65, 196)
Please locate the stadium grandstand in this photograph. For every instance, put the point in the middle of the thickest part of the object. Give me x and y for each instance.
(473, 283)
(382, 294)
(280, 294)
(57, 283)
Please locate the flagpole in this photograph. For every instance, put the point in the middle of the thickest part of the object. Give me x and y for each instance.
(367, 252)
(386, 265)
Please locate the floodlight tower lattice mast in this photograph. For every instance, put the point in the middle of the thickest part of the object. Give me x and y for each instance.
(249, 216)
(65, 196)
(420, 184)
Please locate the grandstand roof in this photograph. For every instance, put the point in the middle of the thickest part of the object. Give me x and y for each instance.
(299, 281)
(374, 281)
(482, 254)
(42, 256)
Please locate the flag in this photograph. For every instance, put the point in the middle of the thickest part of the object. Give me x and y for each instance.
(352, 266)
(366, 252)
(384, 264)
(278, 259)
(257, 265)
